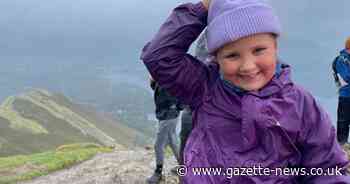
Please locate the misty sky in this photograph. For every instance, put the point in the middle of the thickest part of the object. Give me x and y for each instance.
(74, 28)
(115, 31)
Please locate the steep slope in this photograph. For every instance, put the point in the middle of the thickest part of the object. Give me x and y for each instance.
(38, 120)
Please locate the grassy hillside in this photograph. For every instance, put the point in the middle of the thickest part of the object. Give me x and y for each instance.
(131, 105)
(127, 135)
(38, 120)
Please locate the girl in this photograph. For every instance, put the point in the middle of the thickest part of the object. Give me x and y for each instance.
(247, 112)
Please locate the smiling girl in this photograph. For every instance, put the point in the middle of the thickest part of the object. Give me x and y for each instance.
(247, 112)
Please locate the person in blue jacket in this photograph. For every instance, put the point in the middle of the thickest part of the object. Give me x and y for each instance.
(341, 72)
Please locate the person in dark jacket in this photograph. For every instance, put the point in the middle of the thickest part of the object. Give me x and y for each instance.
(167, 112)
(341, 73)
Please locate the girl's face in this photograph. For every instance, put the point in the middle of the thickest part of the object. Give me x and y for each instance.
(249, 62)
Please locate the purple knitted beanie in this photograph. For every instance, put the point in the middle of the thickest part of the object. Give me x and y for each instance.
(230, 20)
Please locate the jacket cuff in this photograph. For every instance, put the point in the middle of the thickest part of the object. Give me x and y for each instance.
(201, 11)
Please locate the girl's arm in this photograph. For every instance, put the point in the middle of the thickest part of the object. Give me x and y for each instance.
(166, 55)
(320, 148)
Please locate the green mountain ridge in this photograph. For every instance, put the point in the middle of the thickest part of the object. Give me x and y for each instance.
(38, 120)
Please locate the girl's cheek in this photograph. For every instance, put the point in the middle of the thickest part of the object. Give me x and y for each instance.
(230, 69)
(268, 63)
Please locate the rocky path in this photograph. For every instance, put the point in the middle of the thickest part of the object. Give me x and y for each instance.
(118, 167)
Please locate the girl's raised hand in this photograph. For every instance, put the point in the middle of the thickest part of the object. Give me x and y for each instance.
(206, 3)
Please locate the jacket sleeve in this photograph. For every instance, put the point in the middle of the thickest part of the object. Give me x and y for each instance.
(319, 146)
(166, 56)
(342, 67)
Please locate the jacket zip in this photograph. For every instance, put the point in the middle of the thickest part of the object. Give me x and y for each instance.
(277, 123)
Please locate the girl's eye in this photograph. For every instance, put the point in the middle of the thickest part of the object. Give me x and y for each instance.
(259, 50)
(233, 56)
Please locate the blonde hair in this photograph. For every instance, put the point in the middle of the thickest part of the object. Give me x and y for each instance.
(347, 43)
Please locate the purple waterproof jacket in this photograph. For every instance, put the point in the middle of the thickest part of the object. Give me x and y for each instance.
(280, 126)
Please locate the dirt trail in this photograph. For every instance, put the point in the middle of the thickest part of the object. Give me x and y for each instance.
(118, 167)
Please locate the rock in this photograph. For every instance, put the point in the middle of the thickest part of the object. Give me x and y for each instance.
(346, 148)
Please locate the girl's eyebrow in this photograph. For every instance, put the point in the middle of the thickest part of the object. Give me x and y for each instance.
(259, 46)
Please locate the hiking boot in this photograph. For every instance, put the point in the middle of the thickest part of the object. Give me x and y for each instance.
(155, 178)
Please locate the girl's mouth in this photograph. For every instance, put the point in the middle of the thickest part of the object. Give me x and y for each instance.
(251, 76)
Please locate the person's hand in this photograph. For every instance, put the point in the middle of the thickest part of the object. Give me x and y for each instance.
(206, 3)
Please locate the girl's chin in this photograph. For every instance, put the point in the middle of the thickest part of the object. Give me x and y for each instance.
(252, 86)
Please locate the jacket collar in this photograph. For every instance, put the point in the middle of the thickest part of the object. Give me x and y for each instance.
(344, 52)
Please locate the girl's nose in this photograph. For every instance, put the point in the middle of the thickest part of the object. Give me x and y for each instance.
(248, 64)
